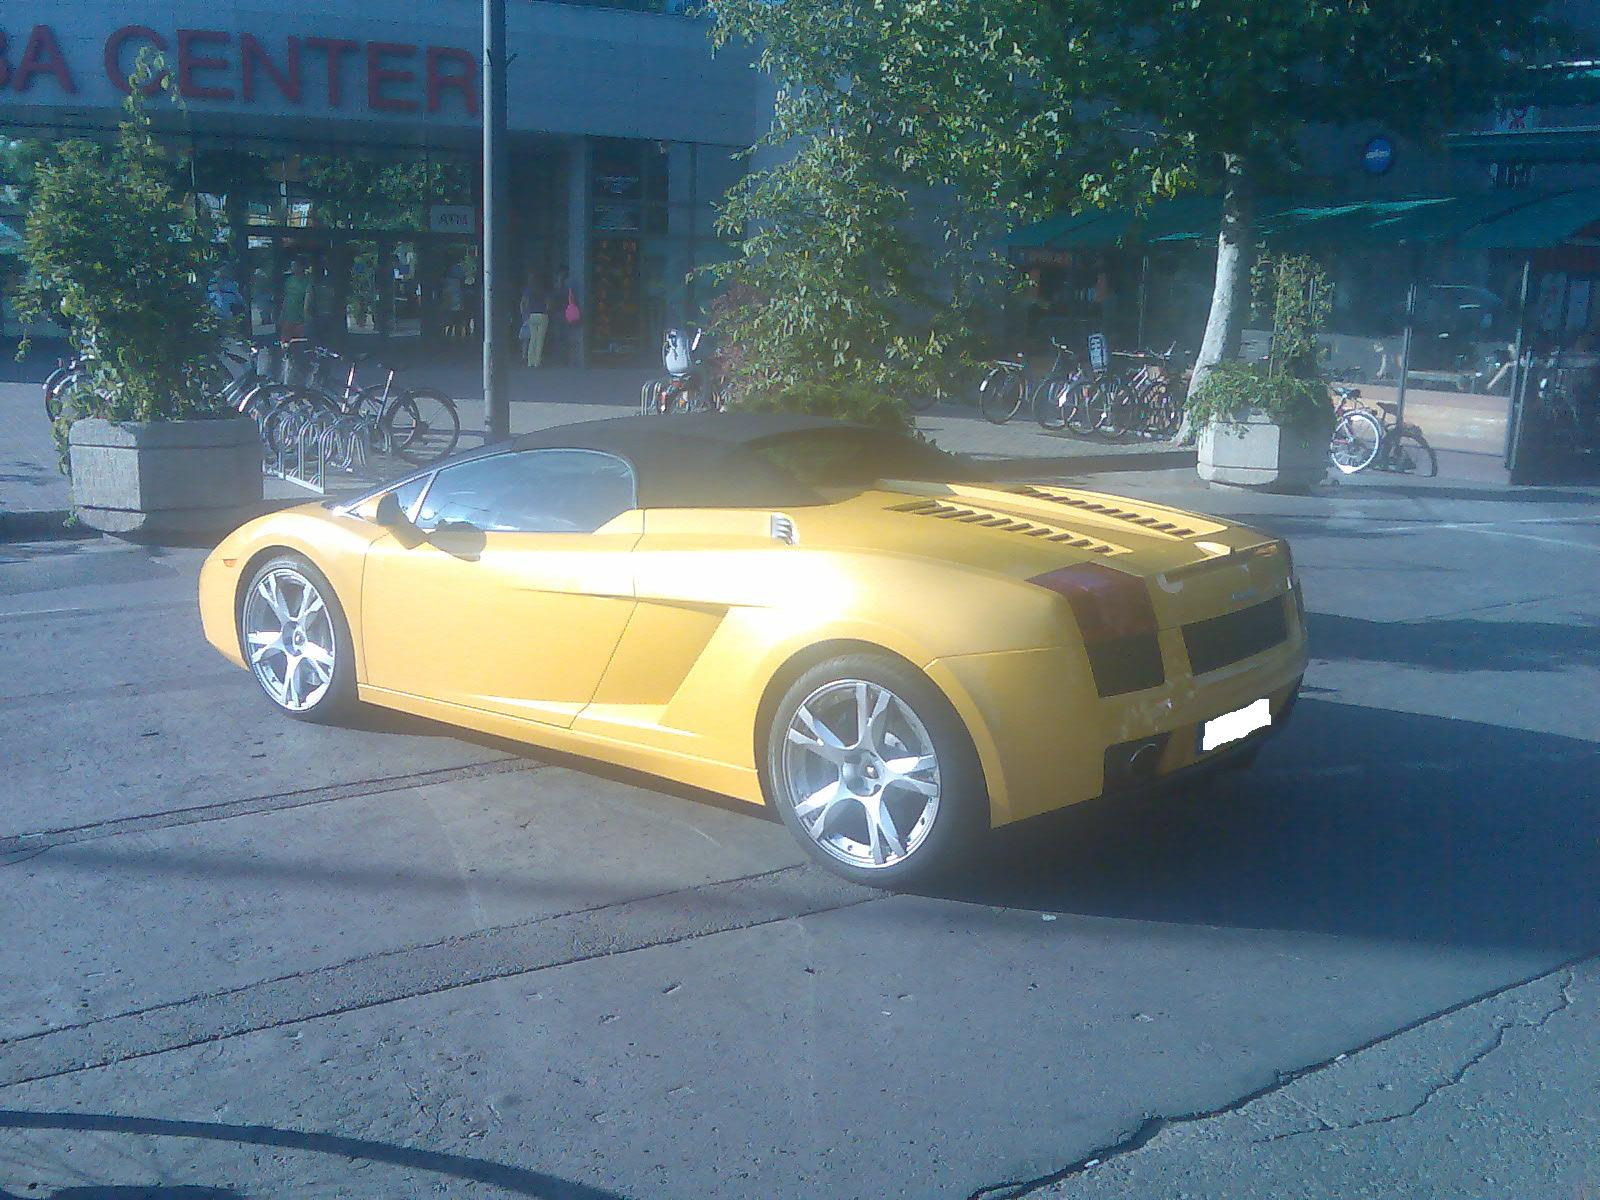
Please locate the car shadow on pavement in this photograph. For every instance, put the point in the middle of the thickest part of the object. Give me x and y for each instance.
(516, 1180)
(1455, 645)
(1355, 822)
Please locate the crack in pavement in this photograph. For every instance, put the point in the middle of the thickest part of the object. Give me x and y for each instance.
(603, 931)
(1150, 1126)
(49, 839)
(1455, 1077)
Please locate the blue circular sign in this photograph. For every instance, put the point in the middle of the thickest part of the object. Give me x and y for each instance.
(1378, 155)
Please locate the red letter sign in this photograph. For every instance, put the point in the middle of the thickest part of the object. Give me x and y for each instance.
(189, 40)
(114, 44)
(335, 47)
(43, 57)
(464, 81)
(253, 55)
(378, 75)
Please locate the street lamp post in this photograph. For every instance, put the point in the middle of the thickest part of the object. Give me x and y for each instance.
(496, 275)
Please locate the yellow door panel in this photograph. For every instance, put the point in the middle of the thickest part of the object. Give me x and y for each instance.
(521, 624)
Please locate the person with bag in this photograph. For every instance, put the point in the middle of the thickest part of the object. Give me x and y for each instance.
(535, 320)
(564, 316)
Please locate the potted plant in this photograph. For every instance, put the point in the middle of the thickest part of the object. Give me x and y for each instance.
(114, 248)
(1267, 424)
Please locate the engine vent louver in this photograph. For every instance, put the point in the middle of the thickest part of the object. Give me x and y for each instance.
(967, 515)
(1109, 510)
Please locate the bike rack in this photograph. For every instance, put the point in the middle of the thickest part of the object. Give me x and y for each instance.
(310, 448)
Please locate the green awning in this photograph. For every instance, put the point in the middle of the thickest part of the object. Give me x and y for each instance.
(1487, 220)
(1546, 221)
(1575, 144)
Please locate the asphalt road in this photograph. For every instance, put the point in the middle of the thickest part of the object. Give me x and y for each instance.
(249, 957)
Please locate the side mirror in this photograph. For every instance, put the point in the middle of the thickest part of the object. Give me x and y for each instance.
(389, 514)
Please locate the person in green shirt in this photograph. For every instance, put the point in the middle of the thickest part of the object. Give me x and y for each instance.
(299, 302)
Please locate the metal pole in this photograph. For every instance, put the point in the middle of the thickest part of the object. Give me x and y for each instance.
(1144, 298)
(1405, 345)
(496, 208)
(1514, 403)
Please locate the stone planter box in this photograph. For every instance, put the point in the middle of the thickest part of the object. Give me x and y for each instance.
(163, 477)
(1256, 452)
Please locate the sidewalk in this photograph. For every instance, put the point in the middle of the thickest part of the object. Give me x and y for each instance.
(35, 496)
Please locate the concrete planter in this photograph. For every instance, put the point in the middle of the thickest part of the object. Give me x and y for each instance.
(165, 476)
(1256, 452)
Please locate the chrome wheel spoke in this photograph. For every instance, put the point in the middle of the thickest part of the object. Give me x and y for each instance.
(270, 592)
(883, 834)
(872, 735)
(814, 809)
(809, 732)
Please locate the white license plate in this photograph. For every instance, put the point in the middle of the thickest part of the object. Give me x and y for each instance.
(1230, 727)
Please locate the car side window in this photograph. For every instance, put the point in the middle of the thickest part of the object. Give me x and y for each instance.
(530, 491)
(410, 492)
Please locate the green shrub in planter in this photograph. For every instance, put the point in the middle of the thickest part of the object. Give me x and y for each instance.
(113, 246)
(1232, 390)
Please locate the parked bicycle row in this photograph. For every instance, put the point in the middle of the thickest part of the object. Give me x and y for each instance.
(287, 388)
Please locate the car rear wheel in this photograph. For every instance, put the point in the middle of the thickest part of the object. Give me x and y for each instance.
(296, 643)
(872, 770)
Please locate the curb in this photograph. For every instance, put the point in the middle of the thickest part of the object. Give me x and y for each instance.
(1007, 467)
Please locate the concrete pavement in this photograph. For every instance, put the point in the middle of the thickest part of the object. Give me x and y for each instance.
(263, 958)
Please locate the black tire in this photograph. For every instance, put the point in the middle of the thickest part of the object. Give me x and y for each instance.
(422, 425)
(958, 825)
(1052, 402)
(338, 701)
(1425, 460)
(1001, 393)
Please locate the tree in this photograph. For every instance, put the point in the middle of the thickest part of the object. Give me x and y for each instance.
(1026, 107)
(116, 250)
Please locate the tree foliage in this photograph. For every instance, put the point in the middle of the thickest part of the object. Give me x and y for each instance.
(1028, 107)
(117, 251)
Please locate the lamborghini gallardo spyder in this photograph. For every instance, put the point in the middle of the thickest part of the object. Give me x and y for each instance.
(846, 624)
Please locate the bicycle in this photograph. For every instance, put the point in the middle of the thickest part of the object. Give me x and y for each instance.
(1365, 439)
(420, 425)
(1139, 401)
(1006, 384)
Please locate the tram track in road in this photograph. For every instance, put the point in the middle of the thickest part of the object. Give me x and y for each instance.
(18, 847)
(520, 948)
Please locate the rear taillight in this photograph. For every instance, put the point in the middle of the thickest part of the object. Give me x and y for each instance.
(1107, 603)
(1118, 623)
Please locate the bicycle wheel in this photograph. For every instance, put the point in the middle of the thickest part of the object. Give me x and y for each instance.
(422, 426)
(1415, 452)
(1355, 441)
(1167, 414)
(54, 386)
(1052, 402)
(293, 410)
(1001, 394)
(1092, 409)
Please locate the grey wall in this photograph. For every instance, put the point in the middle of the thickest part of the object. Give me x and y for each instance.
(577, 69)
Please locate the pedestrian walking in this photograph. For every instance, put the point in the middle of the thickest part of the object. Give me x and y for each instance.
(535, 319)
(298, 304)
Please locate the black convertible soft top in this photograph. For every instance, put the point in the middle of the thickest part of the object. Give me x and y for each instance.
(742, 460)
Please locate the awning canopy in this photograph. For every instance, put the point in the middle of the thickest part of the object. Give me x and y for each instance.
(1483, 221)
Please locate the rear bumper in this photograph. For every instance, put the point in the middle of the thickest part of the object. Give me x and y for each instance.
(1045, 737)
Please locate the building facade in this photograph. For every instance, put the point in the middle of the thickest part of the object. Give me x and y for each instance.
(346, 134)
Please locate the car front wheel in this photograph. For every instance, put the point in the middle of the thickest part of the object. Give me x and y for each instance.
(295, 641)
(872, 770)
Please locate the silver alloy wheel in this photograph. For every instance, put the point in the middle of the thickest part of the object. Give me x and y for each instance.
(289, 639)
(861, 773)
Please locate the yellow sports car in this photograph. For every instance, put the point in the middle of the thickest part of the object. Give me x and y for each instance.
(843, 623)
